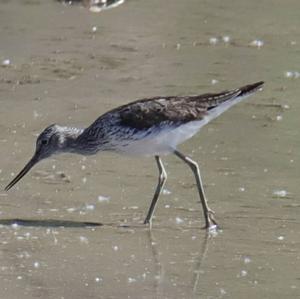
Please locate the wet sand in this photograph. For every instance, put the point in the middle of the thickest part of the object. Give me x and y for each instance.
(61, 234)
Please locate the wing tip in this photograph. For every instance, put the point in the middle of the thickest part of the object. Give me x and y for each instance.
(250, 88)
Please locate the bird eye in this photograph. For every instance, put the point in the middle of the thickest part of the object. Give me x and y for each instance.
(44, 141)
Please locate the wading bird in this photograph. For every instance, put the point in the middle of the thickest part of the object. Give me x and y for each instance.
(151, 127)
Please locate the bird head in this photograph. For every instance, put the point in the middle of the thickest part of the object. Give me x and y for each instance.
(49, 142)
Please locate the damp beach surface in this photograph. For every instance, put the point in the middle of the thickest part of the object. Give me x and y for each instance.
(72, 228)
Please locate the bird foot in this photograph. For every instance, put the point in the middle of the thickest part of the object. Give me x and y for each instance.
(148, 222)
(211, 223)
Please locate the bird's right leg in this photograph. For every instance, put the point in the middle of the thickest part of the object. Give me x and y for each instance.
(161, 182)
(208, 213)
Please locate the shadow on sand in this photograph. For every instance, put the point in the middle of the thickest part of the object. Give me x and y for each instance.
(48, 223)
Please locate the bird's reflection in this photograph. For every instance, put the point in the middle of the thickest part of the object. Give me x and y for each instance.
(161, 272)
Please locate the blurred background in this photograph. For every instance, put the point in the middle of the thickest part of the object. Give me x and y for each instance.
(72, 228)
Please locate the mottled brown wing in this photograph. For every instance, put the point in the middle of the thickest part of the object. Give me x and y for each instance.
(146, 113)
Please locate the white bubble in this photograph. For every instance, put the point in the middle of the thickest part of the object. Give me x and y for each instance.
(226, 38)
(280, 193)
(36, 264)
(257, 43)
(89, 207)
(102, 198)
(131, 280)
(213, 40)
(15, 225)
(133, 207)
(179, 220)
(289, 74)
(166, 192)
(247, 260)
(98, 279)
(6, 62)
(244, 273)
(83, 239)
(292, 74)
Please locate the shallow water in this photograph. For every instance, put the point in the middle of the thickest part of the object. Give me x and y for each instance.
(61, 226)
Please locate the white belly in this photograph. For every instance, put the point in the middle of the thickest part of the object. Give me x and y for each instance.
(163, 142)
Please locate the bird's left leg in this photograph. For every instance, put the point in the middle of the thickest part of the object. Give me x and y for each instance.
(161, 182)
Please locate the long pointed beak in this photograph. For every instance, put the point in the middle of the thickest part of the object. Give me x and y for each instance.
(27, 167)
